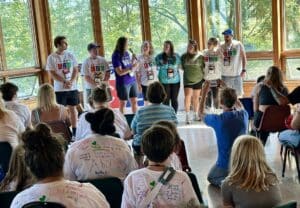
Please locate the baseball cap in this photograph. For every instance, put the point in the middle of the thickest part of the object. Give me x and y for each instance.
(228, 32)
(92, 46)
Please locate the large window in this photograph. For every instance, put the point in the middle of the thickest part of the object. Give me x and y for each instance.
(293, 68)
(292, 23)
(16, 25)
(28, 86)
(168, 21)
(257, 68)
(257, 32)
(220, 15)
(120, 18)
(72, 18)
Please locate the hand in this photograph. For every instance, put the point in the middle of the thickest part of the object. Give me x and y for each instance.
(221, 83)
(238, 104)
(243, 74)
(67, 84)
(268, 83)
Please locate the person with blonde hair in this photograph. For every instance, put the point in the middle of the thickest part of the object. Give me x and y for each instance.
(251, 182)
(47, 108)
(146, 69)
(18, 176)
(10, 125)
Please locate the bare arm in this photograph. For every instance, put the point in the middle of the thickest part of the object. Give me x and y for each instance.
(243, 56)
(88, 79)
(296, 118)
(74, 74)
(56, 77)
(204, 92)
(122, 72)
(280, 99)
(256, 99)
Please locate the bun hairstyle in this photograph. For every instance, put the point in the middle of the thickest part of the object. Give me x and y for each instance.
(44, 153)
(102, 121)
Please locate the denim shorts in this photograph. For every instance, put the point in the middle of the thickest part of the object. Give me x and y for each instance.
(127, 91)
(235, 83)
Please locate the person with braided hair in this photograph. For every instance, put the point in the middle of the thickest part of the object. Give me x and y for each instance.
(44, 155)
(100, 154)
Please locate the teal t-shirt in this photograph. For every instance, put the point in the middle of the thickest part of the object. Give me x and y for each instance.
(168, 71)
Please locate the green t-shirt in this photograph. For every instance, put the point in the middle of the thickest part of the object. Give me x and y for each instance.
(193, 68)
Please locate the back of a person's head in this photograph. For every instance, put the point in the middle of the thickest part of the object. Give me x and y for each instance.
(274, 75)
(228, 97)
(249, 168)
(156, 93)
(172, 127)
(46, 98)
(99, 95)
(102, 121)
(9, 90)
(157, 143)
(44, 153)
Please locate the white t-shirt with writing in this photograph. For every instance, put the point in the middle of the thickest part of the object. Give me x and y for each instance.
(96, 69)
(63, 64)
(213, 61)
(98, 157)
(10, 128)
(232, 60)
(178, 192)
(21, 110)
(147, 69)
(84, 127)
(69, 193)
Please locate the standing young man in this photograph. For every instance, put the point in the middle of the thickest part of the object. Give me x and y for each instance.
(233, 63)
(63, 68)
(95, 69)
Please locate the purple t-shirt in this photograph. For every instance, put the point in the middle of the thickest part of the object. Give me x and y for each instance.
(125, 63)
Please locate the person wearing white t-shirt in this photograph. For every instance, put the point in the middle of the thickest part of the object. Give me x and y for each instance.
(234, 62)
(44, 155)
(99, 100)
(9, 94)
(10, 125)
(99, 155)
(140, 186)
(146, 69)
(63, 68)
(95, 69)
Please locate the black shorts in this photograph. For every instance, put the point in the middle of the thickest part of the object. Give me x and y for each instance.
(127, 91)
(144, 90)
(67, 97)
(196, 86)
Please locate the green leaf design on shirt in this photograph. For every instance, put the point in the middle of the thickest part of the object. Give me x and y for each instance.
(152, 184)
(42, 198)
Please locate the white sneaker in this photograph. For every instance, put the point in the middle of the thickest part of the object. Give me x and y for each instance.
(187, 118)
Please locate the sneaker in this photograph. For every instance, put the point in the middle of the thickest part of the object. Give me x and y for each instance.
(187, 118)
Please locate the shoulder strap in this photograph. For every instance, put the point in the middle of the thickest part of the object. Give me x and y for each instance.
(165, 177)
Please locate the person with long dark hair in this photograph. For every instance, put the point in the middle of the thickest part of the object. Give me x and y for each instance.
(193, 73)
(168, 73)
(126, 85)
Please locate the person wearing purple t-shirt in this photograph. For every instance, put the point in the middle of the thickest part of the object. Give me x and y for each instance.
(126, 85)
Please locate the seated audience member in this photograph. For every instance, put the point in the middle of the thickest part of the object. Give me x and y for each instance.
(18, 176)
(173, 159)
(47, 108)
(99, 101)
(99, 155)
(158, 145)
(9, 94)
(44, 155)
(149, 114)
(232, 123)
(251, 182)
(263, 97)
(10, 125)
(259, 80)
(292, 136)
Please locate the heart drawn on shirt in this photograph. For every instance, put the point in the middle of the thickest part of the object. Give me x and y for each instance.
(152, 184)
(43, 198)
(94, 143)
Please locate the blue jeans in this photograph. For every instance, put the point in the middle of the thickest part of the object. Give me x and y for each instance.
(291, 137)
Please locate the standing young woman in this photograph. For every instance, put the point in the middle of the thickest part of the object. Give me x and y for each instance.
(146, 73)
(192, 65)
(168, 73)
(125, 78)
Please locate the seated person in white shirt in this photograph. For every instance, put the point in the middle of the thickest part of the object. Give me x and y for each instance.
(10, 125)
(44, 155)
(100, 154)
(158, 144)
(99, 100)
(9, 95)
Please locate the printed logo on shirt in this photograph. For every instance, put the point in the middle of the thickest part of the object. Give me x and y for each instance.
(95, 146)
(42, 198)
(152, 184)
(211, 58)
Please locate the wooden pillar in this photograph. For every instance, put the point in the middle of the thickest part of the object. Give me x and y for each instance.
(145, 20)
(277, 31)
(2, 51)
(196, 16)
(238, 20)
(41, 21)
(97, 28)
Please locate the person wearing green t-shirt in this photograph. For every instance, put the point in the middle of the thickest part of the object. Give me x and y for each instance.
(193, 72)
